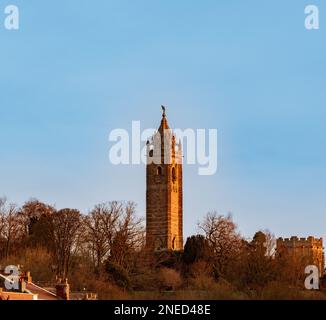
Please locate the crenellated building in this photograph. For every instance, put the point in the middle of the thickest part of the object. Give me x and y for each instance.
(307, 250)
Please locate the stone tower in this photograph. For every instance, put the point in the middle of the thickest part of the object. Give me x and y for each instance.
(305, 250)
(164, 190)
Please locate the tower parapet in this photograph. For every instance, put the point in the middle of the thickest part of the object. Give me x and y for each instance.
(295, 241)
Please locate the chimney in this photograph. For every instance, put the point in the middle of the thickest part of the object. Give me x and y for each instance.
(22, 285)
(63, 290)
(27, 277)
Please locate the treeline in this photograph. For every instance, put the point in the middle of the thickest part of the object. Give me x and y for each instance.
(104, 251)
(110, 230)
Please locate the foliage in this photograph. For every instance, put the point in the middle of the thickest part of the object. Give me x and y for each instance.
(196, 248)
(104, 251)
(117, 275)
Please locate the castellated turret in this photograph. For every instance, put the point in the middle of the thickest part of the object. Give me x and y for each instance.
(309, 251)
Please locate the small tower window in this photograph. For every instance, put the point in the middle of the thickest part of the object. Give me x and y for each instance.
(151, 153)
(173, 243)
(159, 171)
(174, 176)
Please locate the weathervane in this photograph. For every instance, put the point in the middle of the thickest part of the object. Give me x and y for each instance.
(164, 109)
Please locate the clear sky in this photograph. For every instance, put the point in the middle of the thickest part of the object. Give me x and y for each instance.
(78, 69)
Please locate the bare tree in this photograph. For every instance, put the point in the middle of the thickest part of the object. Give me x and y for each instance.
(224, 239)
(110, 220)
(9, 227)
(66, 224)
(100, 226)
(2, 215)
(129, 237)
(270, 243)
(112, 231)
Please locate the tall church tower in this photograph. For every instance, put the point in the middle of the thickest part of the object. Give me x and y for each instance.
(164, 208)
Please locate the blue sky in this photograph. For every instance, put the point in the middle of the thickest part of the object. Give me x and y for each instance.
(78, 69)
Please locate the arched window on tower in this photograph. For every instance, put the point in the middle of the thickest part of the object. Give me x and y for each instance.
(174, 175)
(159, 171)
(173, 243)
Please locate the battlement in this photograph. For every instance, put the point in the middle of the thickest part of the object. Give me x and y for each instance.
(309, 250)
(300, 242)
